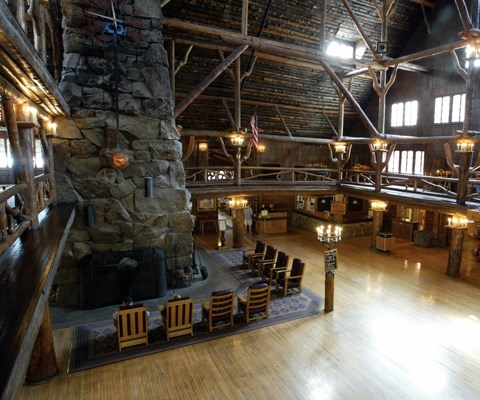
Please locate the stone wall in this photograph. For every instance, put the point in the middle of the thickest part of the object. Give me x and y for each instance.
(124, 217)
(348, 230)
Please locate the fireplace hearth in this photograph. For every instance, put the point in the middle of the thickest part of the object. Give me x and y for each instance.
(106, 278)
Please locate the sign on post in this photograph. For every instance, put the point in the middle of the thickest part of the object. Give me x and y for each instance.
(330, 260)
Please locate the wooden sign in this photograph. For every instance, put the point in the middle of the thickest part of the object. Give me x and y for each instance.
(338, 208)
(331, 260)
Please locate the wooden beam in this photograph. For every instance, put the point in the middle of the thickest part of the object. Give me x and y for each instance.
(195, 92)
(368, 124)
(38, 71)
(464, 16)
(245, 17)
(426, 53)
(283, 121)
(327, 110)
(425, 3)
(359, 27)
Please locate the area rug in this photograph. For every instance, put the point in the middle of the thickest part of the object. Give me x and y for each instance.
(95, 344)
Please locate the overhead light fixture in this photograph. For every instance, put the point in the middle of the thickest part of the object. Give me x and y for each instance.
(329, 236)
(203, 146)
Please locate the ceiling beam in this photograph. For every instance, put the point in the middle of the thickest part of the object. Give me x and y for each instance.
(425, 3)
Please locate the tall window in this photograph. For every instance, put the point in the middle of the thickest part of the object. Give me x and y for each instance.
(444, 113)
(6, 160)
(404, 114)
(407, 162)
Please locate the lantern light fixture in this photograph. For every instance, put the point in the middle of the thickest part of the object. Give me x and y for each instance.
(378, 205)
(465, 146)
(329, 235)
(457, 221)
(340, 147)
(203, 146)
(238, 140)
(261, 148)
(379, 145)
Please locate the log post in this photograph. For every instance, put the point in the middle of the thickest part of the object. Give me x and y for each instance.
(238, 227)
(455, 253)
(48, 167)
(329, 290)
(463, 175)
(43, 362)
(376, 226)
(25, 136)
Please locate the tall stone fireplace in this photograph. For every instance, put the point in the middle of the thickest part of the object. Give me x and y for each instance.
(124, 217)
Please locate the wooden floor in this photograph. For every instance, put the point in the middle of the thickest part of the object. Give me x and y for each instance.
(401, 329)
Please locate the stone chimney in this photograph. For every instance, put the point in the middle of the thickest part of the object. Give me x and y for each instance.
(124, 217)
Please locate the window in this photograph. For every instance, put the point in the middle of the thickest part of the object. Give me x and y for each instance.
(37, 154)
(340, 49)
(404, 114)
(5, 156)
(407, 162)
(444, 113)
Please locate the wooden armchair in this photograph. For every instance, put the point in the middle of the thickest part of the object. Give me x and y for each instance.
(219, 312)
(257, 302)
(268, 260)
(132, 326)
(177, 317)
(281, 264)
(291, 281)
(251, 255)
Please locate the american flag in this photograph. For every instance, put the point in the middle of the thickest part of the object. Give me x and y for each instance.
(254, 128)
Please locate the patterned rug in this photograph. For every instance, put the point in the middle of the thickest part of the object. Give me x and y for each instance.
(95, 344)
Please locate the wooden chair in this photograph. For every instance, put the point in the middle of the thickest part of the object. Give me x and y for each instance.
(291, 280)
(251, 255)
(177, 317)
(257, 302)
(281, 264)
(132, 326)
(219, 312)
(268, 260)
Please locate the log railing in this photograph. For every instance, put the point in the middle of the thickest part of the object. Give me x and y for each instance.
(437, 186)
(12, 221)
(42, 188)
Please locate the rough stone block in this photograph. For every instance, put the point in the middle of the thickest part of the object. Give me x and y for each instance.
(67, 129)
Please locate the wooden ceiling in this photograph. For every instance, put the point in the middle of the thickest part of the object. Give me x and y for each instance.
(302, 91)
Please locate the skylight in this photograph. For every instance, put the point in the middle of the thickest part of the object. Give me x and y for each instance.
(340, 50)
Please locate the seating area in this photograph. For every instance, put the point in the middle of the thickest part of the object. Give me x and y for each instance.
(270, 268)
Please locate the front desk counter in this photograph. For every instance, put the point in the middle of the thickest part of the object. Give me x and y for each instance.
(272, 223)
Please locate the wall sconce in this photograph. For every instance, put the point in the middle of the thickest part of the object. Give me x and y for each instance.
(465, 146)
(148, 187)
(379, 145)
(261, 148)
(203, 146)
(32, 113)
(340, 147)
(238, 140)
(378, 205)
(90, 215)
(457, 221)
(52, 126)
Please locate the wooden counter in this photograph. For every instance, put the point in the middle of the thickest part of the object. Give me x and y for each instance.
(272, 223)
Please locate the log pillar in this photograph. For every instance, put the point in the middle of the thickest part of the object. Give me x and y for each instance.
(463, 175)
(329, 290)
(238, 227)
(455, 253)
(376, 226)
(43, 362)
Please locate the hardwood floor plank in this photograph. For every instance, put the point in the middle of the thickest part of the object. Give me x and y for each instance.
(400, 329)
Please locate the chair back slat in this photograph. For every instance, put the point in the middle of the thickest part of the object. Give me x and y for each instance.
(132, 326)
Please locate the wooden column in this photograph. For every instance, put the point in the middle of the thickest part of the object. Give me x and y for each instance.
(455, 253)
(238, 228)
(377, 226)
(329, 290)
(43, 362)
(25, 136)
(463, 175)
(48, 168)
